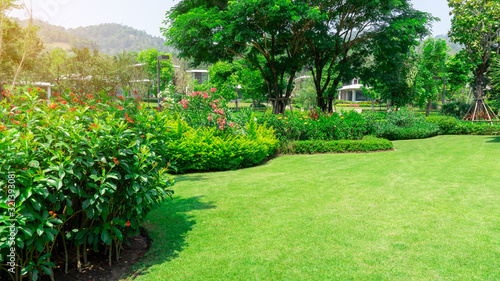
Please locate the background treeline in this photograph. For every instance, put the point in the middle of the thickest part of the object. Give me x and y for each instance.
(108, 38)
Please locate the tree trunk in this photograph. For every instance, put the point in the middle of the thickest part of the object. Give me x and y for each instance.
(428, 107)
(279, 106)
(373, 105)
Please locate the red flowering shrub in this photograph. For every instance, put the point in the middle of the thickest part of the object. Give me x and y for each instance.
(203, 109)
(80, 176)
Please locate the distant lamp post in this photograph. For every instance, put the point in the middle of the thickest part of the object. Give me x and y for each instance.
(444, 85)
(158, 59)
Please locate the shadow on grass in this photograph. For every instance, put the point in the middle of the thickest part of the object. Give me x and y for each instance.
(167, 228)
(189, 177)
(495, 140)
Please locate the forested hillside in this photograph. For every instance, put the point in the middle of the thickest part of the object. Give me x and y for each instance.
(109, 38)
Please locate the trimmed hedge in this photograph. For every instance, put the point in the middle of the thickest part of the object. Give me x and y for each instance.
(336, 126)
(367, 144)
(403, 125)
(206, 149)
(419, 130)
(451, 126)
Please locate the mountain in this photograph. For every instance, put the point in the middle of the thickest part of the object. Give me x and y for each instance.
(108, 38)
(455, 48)
(114, 38)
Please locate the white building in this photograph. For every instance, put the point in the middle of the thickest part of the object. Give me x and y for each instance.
(200, 75)
(352, 91)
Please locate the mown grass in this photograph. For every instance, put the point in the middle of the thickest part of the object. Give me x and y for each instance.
(428, 210)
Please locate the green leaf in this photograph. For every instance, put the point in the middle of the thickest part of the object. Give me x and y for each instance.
(105, 237)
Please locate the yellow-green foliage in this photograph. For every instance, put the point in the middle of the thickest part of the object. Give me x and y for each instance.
(207, 149)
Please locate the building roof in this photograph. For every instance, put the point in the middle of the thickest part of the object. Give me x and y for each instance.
(352, 87)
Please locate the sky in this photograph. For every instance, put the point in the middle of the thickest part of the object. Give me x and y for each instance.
(148, 15)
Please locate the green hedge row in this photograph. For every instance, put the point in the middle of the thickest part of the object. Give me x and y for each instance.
(451, 126)
(418, 130)
(367, 144)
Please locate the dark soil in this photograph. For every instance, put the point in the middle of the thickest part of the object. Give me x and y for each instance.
(98, 269)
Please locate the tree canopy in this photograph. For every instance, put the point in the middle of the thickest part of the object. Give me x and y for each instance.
(476, 25)
(281, 37)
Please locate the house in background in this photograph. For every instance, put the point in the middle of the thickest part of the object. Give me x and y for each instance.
(352, 91)
(200, 75)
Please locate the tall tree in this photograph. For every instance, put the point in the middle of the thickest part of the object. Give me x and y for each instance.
(275, 30)
(391, 69)
(19, 46)
(338, 43)
(476, 25)
(431, 63)
(149, 58)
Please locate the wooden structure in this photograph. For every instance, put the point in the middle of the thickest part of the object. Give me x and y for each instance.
(480, 111)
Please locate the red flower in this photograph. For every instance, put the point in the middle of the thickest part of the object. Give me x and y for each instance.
(64, 102)
(120, 108)
(142, 136)
(92, 125)
(23, 99)
(72, 109)
(24, 125)
(75, 100)
(18, 111)
(121, 97)
(128, 223)
(2, 127)
(213, 90)
(14, 122)
(116, 161)
(29, 90)
(139, 107)
(53, 105)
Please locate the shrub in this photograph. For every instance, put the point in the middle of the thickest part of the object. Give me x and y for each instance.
(86, 174)
(403, 125)
(367, 144)
(455, 109)
(446, 124)
(205, 149)
(451, 126)
(316, 126)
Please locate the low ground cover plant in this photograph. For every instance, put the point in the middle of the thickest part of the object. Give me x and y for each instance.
(367, 144)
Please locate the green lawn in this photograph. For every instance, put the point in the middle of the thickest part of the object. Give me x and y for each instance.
(428, 210)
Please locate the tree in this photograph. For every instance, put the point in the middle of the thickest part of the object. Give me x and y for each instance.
(458, 74)
(431, 63)
(149, 58)
(19, 46)
(476, 25)
(338, 43)
(224, 76)
(208, 31)
(391, 71)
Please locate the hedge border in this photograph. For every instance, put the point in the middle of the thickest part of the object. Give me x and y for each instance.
(368, 144)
